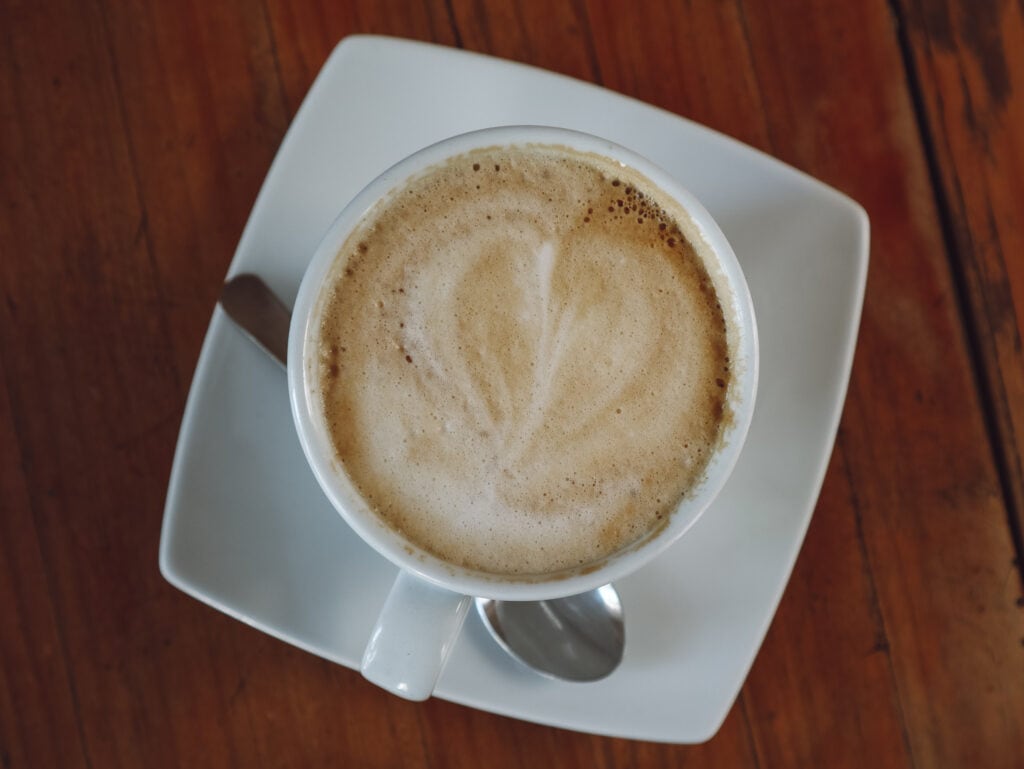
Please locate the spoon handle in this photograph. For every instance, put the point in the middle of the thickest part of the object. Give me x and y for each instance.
(257, 311)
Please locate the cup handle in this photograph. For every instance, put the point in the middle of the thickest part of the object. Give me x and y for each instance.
(414, 634)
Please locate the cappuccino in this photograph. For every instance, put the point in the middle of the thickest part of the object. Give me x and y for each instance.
(523, 363)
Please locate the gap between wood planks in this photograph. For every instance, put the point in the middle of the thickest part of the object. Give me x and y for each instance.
(983, 378)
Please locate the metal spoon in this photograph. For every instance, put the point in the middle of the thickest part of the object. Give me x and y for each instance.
(579, 638)
(257, 311)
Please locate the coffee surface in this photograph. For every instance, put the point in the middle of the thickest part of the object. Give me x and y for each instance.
(523, 364)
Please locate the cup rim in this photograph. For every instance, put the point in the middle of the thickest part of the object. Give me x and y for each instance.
(316, 444)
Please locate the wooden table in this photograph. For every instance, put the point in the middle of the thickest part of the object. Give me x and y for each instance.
(133, 140)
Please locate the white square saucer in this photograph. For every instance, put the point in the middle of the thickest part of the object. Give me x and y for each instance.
(248, 531)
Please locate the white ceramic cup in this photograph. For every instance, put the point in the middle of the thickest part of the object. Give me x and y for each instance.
(422, 615)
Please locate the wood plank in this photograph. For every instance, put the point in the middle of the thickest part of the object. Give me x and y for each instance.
(203, 112)
(38, 709)
(695, 61)
(305, 33)
(554, 36)
(918, 473)
(828, 629)
(96, 382)
(968, 61)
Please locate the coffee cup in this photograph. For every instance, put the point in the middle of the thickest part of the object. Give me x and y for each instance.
(522, 363)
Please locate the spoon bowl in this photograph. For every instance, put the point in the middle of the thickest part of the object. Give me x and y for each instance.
(579, 638)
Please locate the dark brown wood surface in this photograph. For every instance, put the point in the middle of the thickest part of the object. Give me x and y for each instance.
(133, 139)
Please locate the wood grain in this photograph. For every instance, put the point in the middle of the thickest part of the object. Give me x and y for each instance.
(38, 703)
(967, 60)
(133, 140)
(918, 466)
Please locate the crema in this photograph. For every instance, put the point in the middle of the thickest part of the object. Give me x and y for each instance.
(523, 363)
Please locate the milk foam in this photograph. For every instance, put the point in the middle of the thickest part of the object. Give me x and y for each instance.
(523, 363)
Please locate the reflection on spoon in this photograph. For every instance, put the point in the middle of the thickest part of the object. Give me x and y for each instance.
(579, 638)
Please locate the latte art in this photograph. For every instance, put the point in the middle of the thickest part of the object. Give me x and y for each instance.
(523, 363)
